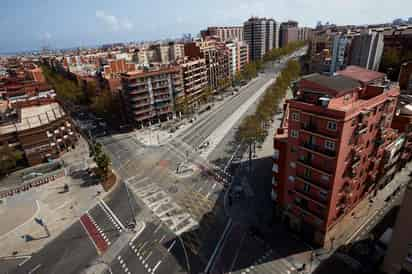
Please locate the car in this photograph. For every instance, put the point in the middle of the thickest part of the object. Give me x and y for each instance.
(204, 145)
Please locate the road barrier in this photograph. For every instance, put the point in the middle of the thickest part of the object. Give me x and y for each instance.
(35, 182)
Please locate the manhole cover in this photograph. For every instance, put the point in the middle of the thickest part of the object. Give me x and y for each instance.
(172, 189)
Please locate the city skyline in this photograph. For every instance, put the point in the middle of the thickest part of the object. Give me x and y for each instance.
(76, 24)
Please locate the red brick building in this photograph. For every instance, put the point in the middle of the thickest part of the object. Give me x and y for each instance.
(330, 148)
(40, 129)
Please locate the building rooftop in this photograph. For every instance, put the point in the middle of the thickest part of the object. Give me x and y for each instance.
(337, 85)
(35, 116)
(361, 74)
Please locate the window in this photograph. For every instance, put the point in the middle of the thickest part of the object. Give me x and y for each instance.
(331, 125)
(324, 178)
(323, 194)
(294, 133)
(306, 187)
(291, 179)
(330, 145)
(298, 200)
(292, 164)
(307, 173)
(293, 149)
(295, 116)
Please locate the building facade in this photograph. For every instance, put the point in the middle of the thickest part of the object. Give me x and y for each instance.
(329, 147)
(405, 77)
(399, 254)
(41, 130)
(216, 55)
(223, 34)
(148, 96)
(289, 32)
(338, 60)
(304, 34)
(366, 50)
(194, 79)
(261, 35)
(238, 53)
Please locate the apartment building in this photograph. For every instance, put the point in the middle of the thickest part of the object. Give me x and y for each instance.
(223, 34)
(288, 32)
(398, 259)
(238, 53)
(366, 49)
(242, 55)
(194, 73)
(261, 34)
(402, 122)
(148, 96)
(176, 51)
(304, 33)
(332, 147)
(217, 59)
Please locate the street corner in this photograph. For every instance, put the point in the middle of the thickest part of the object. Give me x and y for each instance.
(14, 218)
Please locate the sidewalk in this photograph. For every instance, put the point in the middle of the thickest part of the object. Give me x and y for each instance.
(347, 229)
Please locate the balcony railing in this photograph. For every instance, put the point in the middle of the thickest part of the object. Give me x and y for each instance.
(318, 149)
(317, 215)
(317, 200)
(310, 163)
(313, 128)
(312, 182)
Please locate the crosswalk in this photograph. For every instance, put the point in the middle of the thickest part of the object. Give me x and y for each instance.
(270, 264)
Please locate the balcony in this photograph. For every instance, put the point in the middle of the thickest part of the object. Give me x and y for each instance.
(318, 150)
(361, 129)
(312, 213)
(274, 182)
(312, 128)
(135, 84)
(309, 181)
(275, 155)
(345, 190)
(316, 200)
(307, 162)
(136, 92)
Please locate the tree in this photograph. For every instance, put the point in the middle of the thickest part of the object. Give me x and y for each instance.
(182, 105)
(206, 94)
(9, 157)
(102, 160)
(237, 78)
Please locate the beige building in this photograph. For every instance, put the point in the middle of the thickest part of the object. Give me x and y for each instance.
(398, 259)
(194, 78)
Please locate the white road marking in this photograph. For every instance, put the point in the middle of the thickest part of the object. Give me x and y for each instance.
(163, 207)
(25, 261)
(147, 257)
(171, 246)
(35, 268)
(110, 212)
(156, 266)
(138, 232)
(157, 228)
(161, 239)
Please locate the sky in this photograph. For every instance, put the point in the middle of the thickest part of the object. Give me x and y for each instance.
(33, 24)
